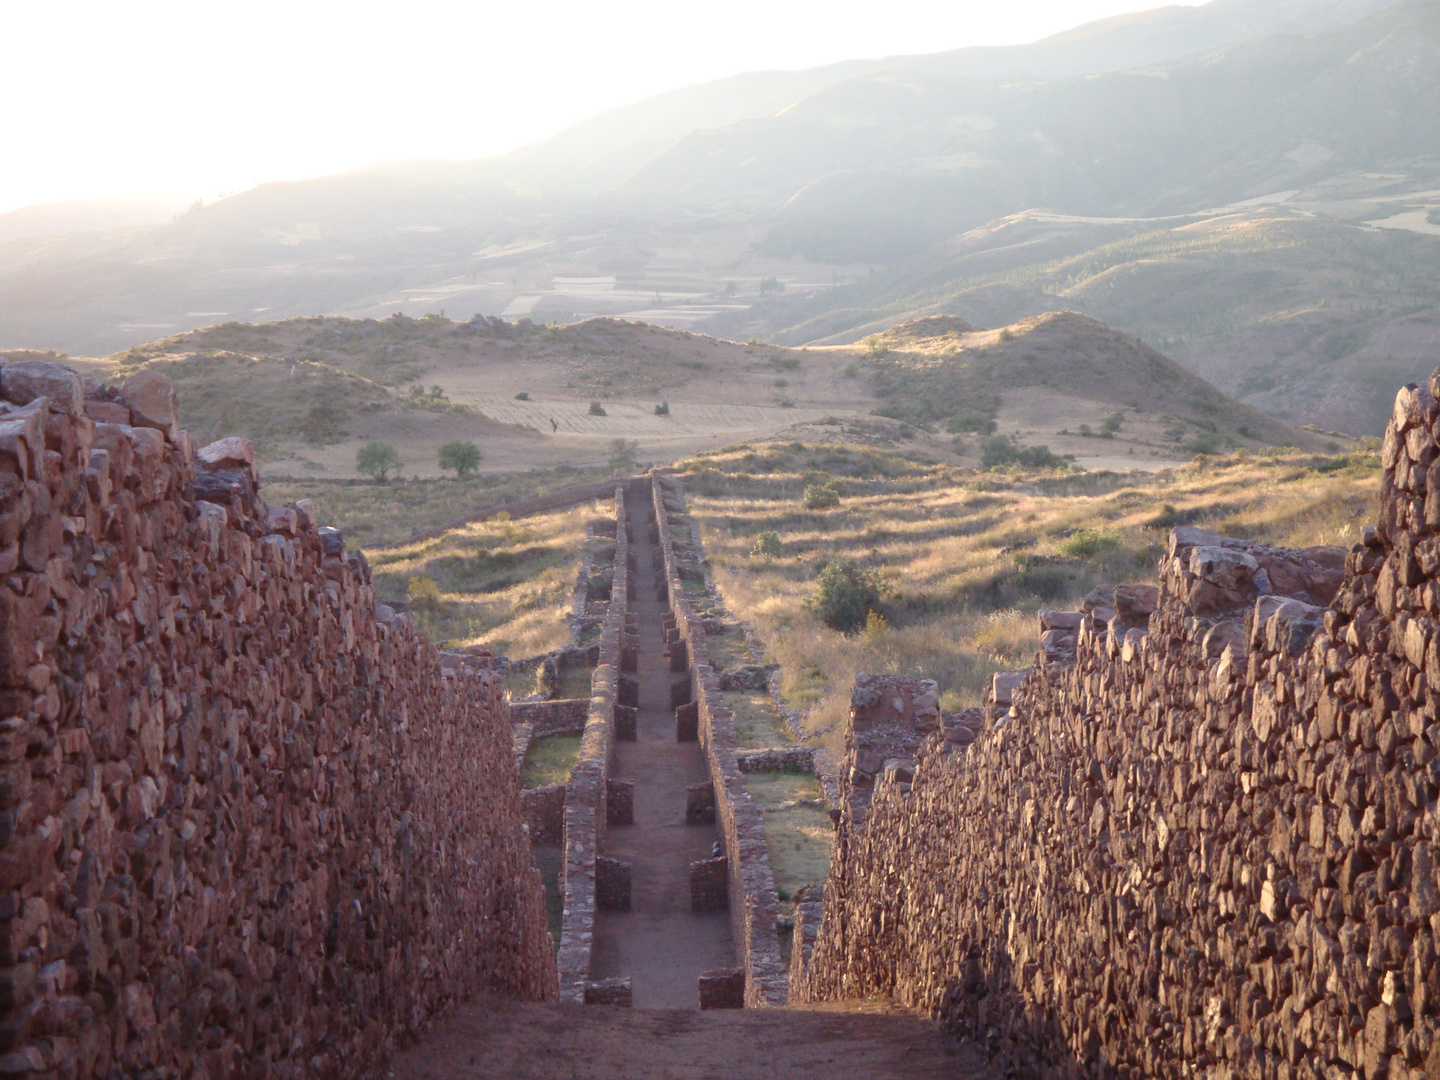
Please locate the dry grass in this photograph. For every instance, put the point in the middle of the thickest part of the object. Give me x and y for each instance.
(505, 584)
(757, 725)
(798, 830)
(968, 558)
(373, 515)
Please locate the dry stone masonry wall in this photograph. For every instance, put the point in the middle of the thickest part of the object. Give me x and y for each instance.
(587, 789)
(751, 884)
(247, 824)
(1201, 839)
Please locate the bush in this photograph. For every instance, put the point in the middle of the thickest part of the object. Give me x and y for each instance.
(663, 409)
(523, 395)
(821, 497)
(1112, 423)
(771, 285)
(622, 453)
(767, 543)
(596, 409)
(376, 459)
(850, 371)
(461, 457)
(1087, 543)
(423, 592)
(1204, 442)
(845, 595)
(997, 451)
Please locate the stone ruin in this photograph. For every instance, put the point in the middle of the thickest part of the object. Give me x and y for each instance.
(1198, 837)
(247, 823)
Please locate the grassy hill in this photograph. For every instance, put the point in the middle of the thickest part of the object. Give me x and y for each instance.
(1054, 369)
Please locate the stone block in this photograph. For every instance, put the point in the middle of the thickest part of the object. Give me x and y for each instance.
(625, 721)
(700, 804)
(681, 692)
(620, 802)
(612, 884)
(722, 988)
(710, 884)
(687, 722)
(614, 992)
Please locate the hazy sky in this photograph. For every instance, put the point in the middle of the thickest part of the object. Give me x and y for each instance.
(110, 98)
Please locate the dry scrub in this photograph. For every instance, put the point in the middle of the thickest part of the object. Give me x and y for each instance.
(967, 558)
(506, 584)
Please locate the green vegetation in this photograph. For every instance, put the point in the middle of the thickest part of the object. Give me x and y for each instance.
(663, 409)
(523, 395)
(550, 761)
(461, 457)
(376, 459)
(623, 455)
(596, 409)
(998, 451)
(767, 544)
(845, 595)
(824, 496)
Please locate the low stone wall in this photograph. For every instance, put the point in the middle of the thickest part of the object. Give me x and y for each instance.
(543, 812)
(249, 825)
(1204, 846)
(753, 905)
(586, 812)
(548, 719)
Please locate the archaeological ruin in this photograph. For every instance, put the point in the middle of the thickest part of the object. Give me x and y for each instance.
(252, 823)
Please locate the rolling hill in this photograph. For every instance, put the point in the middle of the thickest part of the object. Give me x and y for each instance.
(1207, 178)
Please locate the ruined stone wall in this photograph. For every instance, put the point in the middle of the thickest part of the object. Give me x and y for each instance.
(752, 900)
(247, 825)
(1201, 846)
(586, 790)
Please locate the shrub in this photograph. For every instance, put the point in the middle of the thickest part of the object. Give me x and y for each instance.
(376, 459)
(461, 457)
(821, 497)
(1007, 334)
(596, 409)
(1112, 423)
(523, 395)
(663, 409)
(767, 543)
(844, 596)
(850, 371)
(622, 453)
(998, 450)
(1087, 543)
(1204, 442)
(875, 624)
(423, 592)
(771, 285)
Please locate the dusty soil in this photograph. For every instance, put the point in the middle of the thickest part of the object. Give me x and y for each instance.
(496, 1038)
(660, 943)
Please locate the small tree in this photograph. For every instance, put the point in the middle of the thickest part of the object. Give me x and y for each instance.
(376, 459)
(845, 596)
(462, 457)
(821, 496)
(596, 409)
(622, 453)
(768, 543)
(663, 409)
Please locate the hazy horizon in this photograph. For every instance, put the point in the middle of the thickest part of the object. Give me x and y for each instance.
(182, 101)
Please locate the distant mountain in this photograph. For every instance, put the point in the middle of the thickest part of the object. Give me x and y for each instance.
(1252, 186)
(89, 215)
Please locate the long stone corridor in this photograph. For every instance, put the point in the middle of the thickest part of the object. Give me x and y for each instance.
(660, 943)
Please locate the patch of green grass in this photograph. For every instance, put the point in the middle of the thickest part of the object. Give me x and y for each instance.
(757, 725)
(550, 761)
(797, 836)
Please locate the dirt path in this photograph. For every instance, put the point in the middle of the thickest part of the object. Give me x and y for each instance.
(497, 1038)
(659, 943)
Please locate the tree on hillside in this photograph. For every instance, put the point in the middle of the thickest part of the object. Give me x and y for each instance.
(376, 459)
(622, 453)
(462, 457)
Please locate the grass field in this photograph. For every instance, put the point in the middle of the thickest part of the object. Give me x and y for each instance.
(965, 559)
(550, 761)
(506, 584)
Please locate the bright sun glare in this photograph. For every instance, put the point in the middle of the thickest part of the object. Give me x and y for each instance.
(110, 99)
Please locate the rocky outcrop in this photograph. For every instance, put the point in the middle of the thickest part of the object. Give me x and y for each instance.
(247, 824)
(1204, 844)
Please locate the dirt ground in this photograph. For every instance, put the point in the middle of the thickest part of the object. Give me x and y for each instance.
(497, 1038)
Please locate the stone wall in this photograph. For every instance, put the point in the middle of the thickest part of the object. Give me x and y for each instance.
(547, 719)
(585, 794)
(1204, 846)
(753, 904)
(247, 824)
